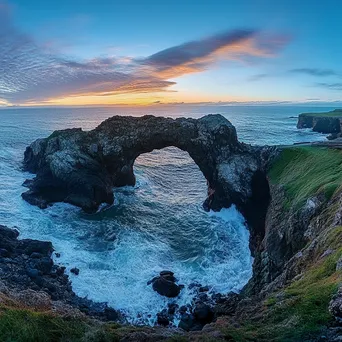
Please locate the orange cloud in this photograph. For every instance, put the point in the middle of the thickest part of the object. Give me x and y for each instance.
(197, 56)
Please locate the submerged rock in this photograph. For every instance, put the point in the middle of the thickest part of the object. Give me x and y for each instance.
(75, 271)
(172, 307)
(334, 136)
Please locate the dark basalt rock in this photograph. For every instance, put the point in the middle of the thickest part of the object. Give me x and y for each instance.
(27, 265)
(183, 309)
(75, 271)
(164, 318)
(166, 285)
(203, 313)
(335, 306)
(334, 136)
(226, 305)
(187, 322)
(111, 314)
(172, 307)
(82, 168)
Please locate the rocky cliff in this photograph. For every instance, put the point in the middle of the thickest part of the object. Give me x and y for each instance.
(329, 122)
(293, 294)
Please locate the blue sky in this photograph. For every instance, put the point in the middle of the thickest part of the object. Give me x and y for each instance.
(141, 52)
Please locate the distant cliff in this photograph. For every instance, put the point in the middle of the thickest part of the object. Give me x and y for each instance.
(328, 122)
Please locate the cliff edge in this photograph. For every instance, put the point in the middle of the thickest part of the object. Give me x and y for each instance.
(328, 122)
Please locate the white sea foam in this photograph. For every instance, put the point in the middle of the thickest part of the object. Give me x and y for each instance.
(120, 276)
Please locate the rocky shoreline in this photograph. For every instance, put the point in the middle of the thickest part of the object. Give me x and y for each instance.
(29, 275)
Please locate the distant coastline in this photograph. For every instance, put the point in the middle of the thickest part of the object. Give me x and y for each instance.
(326, 122)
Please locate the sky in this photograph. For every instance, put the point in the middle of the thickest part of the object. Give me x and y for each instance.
(73, 52)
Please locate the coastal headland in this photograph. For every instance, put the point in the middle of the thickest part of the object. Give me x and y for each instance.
(290, 196)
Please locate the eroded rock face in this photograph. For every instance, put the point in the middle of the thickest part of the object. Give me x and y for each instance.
(323, 123)
(82, 168)
(286, 233)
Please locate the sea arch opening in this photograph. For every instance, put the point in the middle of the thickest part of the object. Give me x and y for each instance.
(171, 172)
(176, 154)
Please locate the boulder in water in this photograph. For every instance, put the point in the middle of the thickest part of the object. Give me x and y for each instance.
(75, 271)
(166, 285)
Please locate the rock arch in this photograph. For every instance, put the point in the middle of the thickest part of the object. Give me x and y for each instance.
(82, 168)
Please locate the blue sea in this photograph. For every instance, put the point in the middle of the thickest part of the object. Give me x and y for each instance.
(158, 224)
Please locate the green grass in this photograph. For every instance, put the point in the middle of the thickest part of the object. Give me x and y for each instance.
(23, 325)
(19, 325)
(333, 114)
(306, 171)
(310, 297)
(333, 239)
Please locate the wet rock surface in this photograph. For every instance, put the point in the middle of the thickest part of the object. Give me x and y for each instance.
(206, 306)
(165, 284)
(28, 273)
(335, 306)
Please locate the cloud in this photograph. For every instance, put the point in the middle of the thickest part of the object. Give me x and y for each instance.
(331, 86)
(314, 72)
(198, 55)
(195, 53)
(258, 77)
(30, 73)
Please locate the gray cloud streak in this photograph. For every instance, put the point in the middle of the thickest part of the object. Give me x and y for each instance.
(314, 72)
(331, 86)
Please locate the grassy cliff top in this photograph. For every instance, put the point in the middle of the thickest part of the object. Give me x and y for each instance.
(306, 171)
(332, 114)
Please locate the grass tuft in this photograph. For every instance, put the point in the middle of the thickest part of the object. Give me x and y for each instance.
(23, 325)
(337, 113)
(306, 171)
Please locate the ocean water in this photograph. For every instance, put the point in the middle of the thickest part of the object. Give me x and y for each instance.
(157, 225)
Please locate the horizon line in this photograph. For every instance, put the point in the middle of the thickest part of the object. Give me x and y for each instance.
(160, 104)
